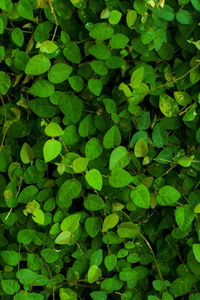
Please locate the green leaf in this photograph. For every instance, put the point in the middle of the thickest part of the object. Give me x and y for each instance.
(100, 51)
(95, 86)
(72, 52)
(92, 226)
(51, 150)
(115, 62)
(119, 41)
(26, 276)
(168, 106)
(196, 4)
(53, 130)
(94, 273)
(119, 178)
(182, 98)
(48, 47)
(112, 138)
(190, 114)
(37, 65)
(66, 293)
(137, 77)
(93, 148)
(76, 82)
(10, 286)
(186, 161)
(140, 148)
(94, 179)
(59, 73)
(42, 107)
(110, 262)
(17, 36)
(115, 17)
(168, 195)
(70, 223)
(25, 9)
(49, 255)
(42, 88)
(97, 257)
(119, 158)
(141, 196)
(196, 251)
(184, 17)
(109, 222)
(127, 274)
(99, 67)
(26, 153)
(80, 164)
(98, 295)
(71, 106)
(101, 31)
(184, 216)
(86, 126)
(94, 202)
(63, 238)
(5, 83)
(10, 257)
(72, 189)
(38, 216)
(131, 17)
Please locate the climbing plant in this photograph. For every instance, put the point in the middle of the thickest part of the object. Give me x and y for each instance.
(99, 149)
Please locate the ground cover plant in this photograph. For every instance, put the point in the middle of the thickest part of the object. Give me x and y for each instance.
(99, 149)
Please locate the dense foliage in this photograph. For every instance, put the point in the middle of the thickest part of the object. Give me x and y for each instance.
(99, 149)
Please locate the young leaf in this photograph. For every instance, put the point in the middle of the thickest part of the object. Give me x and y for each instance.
(140, 148)
(196, 251)
(168, 195)
(80, 164)
(94, 273)
(70, 223)
(112, 138)
(119, 178)
(109, 222)
(137, 77)
(94, 179)
(51, 150)
(26, 153)
(119, 158)
(63, 238)
(59, 73)
(110, 262)
(168, 106)
(53, 130)
(141, 196)
(101, 31)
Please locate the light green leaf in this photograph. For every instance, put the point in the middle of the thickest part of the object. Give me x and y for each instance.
(119, 158)
(141, 196)
(37, 65)
(115, 17)
(26, 153)
(53, 130)
(26, 276)
(66, 293)
(80, 164)
(168, 195)
(38, 216)
(92, 226)
(24, 8)
(71, 106)
(119, 178)
(76, 82)
(63, 238)
(59, 73)
(196, 251)
(86, 126)
(99, 67)
(140, 148)
(182, 98)
(109, 222)
(184, 216)
(101, 31)
(131, 17)
(100, 51)
(51, 150)
(93, 148)
(196, 4)
(48, 47)
(168, 106)
(93, 202)
(70, 223)
(186, 161)
(94, 273)
(137, 77)
(42, 88)
(94, 179)
(72, 189)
